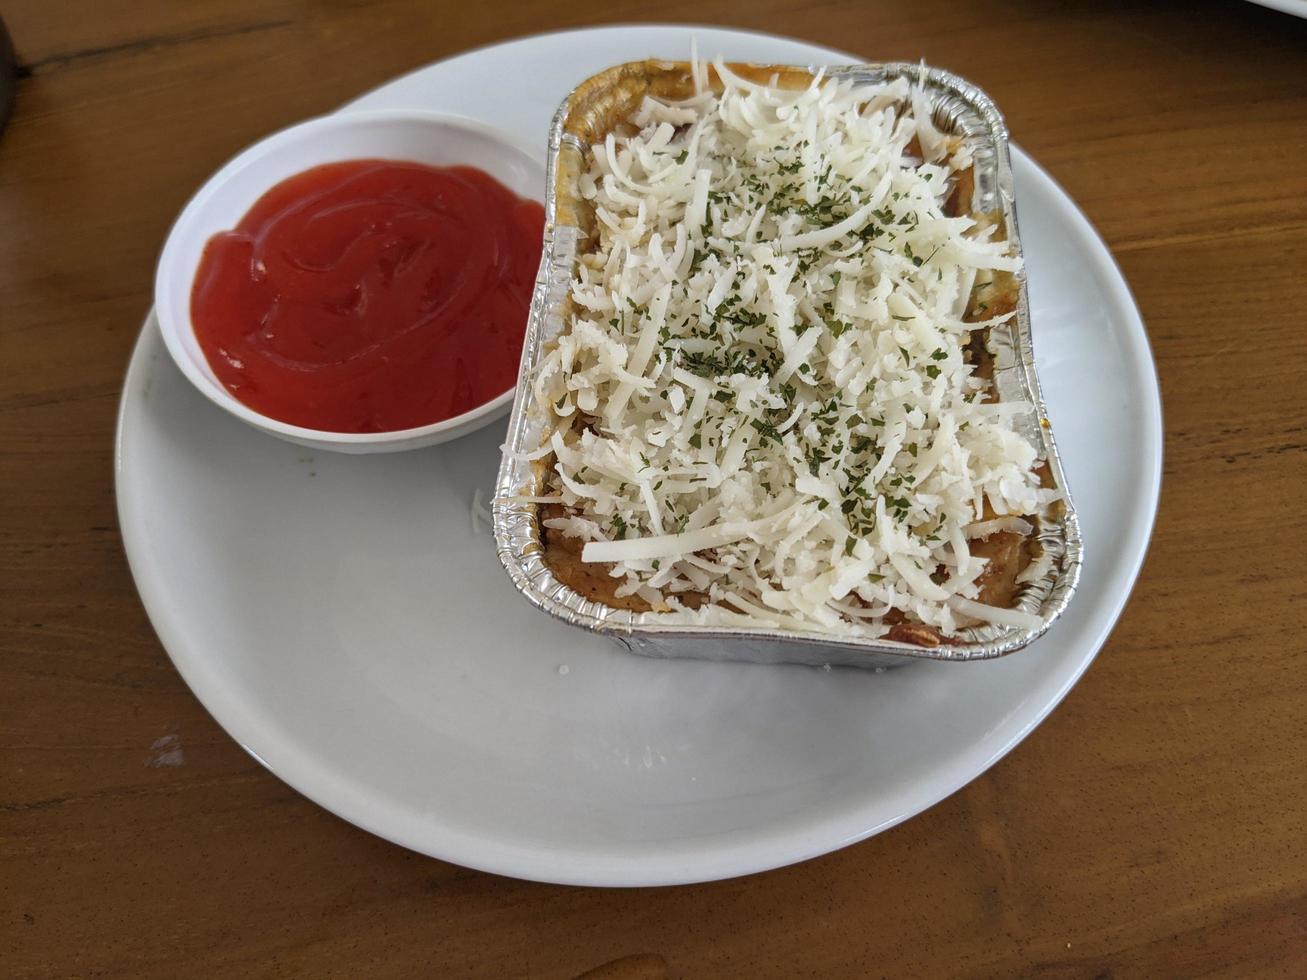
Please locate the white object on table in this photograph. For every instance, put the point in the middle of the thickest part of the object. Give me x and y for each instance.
(341, 619)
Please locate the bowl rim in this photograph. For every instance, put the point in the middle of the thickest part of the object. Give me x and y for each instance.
(167, 277)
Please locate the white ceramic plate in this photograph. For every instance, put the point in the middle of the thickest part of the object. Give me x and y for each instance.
(342, 619)
(1296, 7)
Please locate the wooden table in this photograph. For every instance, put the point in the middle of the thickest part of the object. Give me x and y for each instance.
(1153, 826)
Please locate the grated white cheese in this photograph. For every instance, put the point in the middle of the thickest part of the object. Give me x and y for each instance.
(767, 345)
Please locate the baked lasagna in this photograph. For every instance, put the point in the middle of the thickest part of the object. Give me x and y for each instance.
(771, 403)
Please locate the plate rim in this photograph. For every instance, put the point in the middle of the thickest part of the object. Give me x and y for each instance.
(697, 859)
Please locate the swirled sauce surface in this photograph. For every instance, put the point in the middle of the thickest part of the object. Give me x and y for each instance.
(370, 295)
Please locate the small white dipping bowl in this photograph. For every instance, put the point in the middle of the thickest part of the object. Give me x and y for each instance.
(437, 139)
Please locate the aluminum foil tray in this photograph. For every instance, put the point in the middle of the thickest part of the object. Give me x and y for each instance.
(598, 104)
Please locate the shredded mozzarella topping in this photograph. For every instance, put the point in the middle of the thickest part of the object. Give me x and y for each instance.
(762, 398)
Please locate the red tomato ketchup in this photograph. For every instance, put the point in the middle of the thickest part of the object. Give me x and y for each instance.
(370, 295)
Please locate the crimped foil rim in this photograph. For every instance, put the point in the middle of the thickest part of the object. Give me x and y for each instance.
(963, 108)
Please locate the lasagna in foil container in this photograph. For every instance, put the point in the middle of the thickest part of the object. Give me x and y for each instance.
(958, 109)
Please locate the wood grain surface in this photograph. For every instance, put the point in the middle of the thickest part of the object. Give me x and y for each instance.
(1154, 826)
